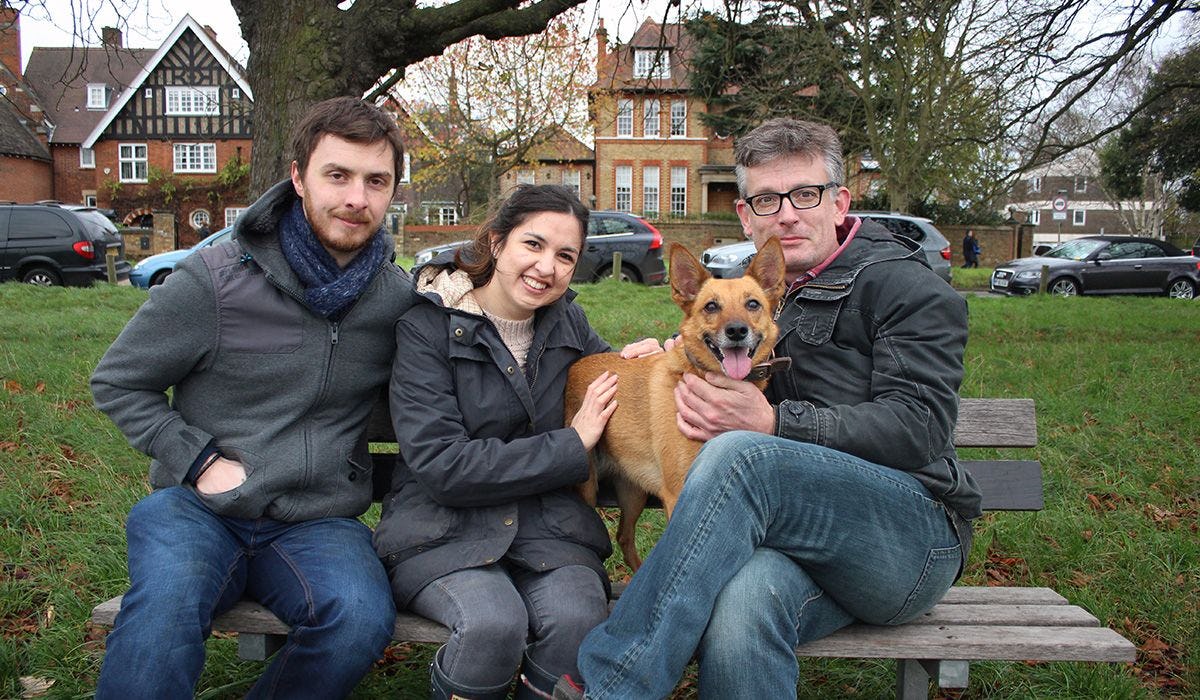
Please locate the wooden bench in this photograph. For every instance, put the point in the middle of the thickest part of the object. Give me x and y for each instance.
(969, 624)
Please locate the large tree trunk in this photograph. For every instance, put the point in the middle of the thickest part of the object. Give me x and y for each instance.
(305, 51)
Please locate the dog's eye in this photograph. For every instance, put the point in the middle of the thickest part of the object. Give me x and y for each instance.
(712, 307)
(753, 305)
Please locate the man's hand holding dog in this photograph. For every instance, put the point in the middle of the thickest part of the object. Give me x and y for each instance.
(707, 407)
(598, 406)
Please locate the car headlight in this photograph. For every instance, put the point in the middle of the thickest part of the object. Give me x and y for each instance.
(139, 264)
(422, 258)
(1029, 275)
(725, 258)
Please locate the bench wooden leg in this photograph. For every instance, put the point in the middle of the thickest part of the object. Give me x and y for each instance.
(259, 647)
(953, 674)
(912, 678)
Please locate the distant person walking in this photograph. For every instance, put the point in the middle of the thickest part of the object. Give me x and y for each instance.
(971, 249)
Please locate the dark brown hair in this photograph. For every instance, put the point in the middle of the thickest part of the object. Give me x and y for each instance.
(349, 118)
(478, 258)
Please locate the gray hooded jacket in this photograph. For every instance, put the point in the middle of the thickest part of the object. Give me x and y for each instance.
(275, 386)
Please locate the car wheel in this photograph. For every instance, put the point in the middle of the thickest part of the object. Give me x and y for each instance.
(628, 273)
(1181, 289)
(159, 277)
(1064, 287)
(42, 277)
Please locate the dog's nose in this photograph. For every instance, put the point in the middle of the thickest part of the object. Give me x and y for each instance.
(737, 332)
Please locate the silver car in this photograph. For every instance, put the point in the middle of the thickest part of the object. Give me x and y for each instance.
(731, 260)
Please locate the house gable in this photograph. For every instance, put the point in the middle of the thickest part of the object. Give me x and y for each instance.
(188, 58)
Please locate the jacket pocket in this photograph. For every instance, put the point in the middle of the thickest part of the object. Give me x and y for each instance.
(236, 501)
(411, 524)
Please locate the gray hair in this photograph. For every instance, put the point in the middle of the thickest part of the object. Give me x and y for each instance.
(785, 136)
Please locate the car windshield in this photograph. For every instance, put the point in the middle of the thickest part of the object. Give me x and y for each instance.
(1075, 250)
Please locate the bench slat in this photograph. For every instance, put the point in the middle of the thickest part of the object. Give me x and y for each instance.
(1001, 595)
(1008, 484)
(995, 423)
(973, 643)
(1022, 615)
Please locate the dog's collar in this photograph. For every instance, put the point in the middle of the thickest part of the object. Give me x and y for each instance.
(768, 368)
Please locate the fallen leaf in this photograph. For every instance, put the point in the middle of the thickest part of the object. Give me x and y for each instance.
(39, 388)
(7, 446)
(1155, 644)
(34, 687)
(12, 386)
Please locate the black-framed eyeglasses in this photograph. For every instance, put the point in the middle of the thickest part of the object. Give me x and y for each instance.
(803, 197)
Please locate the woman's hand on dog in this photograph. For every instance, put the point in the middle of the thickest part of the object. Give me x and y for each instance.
(598, 405)
(648, 346)
(707, 407)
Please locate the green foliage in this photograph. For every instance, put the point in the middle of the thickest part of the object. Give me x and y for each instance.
(1163, 139)
(1118, 440)
(234, 173)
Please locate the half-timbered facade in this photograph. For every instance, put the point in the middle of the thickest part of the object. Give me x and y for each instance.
(178, 137)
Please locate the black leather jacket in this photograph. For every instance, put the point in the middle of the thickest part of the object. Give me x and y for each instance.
(876, 342)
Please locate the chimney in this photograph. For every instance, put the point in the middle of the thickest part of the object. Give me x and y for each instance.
(601, 47)
(10, 39)
(111, 37)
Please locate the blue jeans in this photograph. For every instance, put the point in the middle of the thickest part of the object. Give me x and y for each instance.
(776, 542)
(504, 617)
(187, 564)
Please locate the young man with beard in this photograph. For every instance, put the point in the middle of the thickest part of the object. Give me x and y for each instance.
(276, 344)
(834, 497)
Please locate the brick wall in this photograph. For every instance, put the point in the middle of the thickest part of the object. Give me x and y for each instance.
(998, 244)
(70, 181)
(25, 179)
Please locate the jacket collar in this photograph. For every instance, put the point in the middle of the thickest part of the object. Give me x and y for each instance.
(873, 243)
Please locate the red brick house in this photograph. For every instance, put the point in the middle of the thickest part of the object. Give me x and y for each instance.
(26, 172)
(653, 155)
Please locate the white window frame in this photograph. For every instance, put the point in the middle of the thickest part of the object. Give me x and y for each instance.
(447, 215)
(232, 214)
(127, 155)
(651, 184)
(651, 63)
(97, 96)
(406, 176)
(570, 180)
(195, 157)
(623, 198)
(1079, 217)
(89, 200)
(1035, 217)
(87, 158)
(1081, 184)
(193, 100)
(1035, 183)
(526, 176)
(679, 175)
(678, 118)
(651, 118)
(624, 117)
(235, 93)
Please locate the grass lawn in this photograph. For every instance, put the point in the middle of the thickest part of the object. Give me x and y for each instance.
(1114, 381)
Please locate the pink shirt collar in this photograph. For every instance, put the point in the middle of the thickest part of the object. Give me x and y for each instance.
(846, 233)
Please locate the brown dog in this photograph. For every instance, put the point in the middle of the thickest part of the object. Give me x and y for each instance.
(728, 327)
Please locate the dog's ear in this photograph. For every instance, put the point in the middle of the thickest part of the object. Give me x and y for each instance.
(687, 276)
(767, 269)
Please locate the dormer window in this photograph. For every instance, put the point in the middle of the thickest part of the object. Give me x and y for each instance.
(651, 63)
(97, 96)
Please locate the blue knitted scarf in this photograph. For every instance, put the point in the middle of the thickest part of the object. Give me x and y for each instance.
(328, 289)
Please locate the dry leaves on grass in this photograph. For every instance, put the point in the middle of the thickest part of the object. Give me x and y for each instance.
(1003, 570)
(1105, 502)
(1159, 665)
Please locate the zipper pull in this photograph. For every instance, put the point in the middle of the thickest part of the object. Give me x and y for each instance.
(333, 334)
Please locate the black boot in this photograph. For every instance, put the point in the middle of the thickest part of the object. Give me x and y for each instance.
(442, 688)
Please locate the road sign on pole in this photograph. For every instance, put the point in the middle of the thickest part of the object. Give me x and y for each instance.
(1060, 208)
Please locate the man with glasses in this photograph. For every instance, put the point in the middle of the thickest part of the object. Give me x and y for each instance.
(834, 497)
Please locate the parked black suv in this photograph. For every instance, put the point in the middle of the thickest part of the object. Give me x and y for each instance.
(52, 244)
(638, 241)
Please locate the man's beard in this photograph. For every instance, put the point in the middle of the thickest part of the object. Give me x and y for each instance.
(342, 244)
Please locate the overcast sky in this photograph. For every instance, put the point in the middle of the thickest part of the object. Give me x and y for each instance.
(148, 22)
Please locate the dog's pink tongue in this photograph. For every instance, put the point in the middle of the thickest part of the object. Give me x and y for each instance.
(736, 362)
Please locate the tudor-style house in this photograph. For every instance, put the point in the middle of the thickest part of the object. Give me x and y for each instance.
(141, 131)
(654, 157)
(561, 159)
(184, 117)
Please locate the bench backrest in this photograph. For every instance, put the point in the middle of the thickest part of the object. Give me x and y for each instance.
(1006, 484)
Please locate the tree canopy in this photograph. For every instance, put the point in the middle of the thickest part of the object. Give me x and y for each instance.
(305, 51)
(953, 98)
